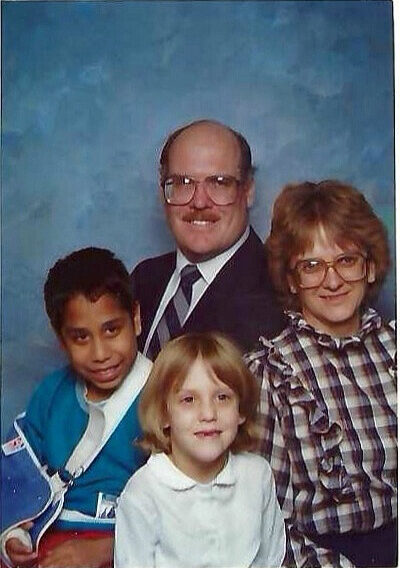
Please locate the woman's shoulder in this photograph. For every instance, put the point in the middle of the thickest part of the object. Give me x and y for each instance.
(273, 357)
(375, 327)
(265, 346)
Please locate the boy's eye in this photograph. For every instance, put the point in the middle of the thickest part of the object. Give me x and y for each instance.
(112, 329)
(79, 336)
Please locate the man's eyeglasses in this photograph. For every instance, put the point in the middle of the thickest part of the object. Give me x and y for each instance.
(311, 272)
(221, 189)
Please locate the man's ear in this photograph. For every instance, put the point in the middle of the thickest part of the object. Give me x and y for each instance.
(137, 324)
(292, 284)
(250, 192)
(242, 419)
(161, 194)
(371, 271)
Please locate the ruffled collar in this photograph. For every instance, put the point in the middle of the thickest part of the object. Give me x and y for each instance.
(370, 320)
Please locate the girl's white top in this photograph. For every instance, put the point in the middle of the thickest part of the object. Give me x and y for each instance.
(165, 519)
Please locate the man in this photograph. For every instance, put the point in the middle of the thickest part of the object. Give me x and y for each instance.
(207, 185)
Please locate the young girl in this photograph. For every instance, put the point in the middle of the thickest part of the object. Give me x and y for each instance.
(202, 499)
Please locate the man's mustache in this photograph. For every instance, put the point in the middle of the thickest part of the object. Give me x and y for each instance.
(201, 216)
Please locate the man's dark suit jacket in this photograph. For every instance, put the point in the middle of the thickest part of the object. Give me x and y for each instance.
(239, 302)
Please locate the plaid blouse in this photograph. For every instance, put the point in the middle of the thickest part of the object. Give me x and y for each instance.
(329, 429)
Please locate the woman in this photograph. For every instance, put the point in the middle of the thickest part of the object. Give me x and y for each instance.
(328, 401)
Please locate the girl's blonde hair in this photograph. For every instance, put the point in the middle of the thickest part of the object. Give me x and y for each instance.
(171, 368)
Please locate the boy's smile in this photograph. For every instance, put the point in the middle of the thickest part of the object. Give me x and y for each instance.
(203, 417)
(100, 340)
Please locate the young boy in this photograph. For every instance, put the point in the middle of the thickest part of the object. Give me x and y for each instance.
(81, 421)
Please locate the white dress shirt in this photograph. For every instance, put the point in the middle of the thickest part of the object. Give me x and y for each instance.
(208, 270)
(165, 519)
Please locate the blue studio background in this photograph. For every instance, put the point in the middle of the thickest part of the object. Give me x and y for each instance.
(91, 90)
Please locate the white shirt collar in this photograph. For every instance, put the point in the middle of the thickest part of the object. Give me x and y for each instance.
(209, 268)
(129, 387)
(166, 472)
(104, 419)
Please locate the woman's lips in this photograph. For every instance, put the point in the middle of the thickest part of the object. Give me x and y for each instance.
(334, 297)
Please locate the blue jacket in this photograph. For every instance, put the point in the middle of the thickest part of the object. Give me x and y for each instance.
(56, 419)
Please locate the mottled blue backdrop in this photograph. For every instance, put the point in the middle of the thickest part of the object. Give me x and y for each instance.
(91, 89)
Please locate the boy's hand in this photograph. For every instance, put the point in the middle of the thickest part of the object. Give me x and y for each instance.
(84, 553)
(19, 553)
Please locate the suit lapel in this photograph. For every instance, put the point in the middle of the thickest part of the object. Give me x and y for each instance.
(155, 288)
(242, 274)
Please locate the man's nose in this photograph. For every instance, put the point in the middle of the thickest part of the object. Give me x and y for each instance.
(200, 199)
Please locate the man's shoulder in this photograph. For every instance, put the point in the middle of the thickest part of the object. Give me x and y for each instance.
(250, 258)
(156, 262)
(150, 276)
(248, 267)
(254, 242)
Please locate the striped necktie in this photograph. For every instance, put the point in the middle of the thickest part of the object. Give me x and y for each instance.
(171, 322)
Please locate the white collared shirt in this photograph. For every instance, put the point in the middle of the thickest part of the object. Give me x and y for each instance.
(165, 519)
(208, 269)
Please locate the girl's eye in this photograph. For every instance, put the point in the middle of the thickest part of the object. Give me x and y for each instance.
(223, 396)
(187, 399)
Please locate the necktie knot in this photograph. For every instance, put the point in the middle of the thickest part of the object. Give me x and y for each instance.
(189, 275)
(173, 319)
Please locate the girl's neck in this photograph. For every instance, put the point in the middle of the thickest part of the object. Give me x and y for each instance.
(199, 471)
